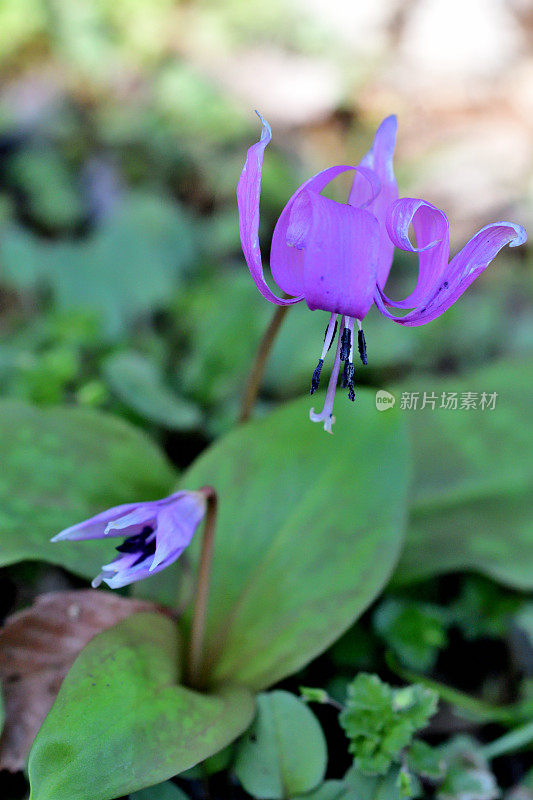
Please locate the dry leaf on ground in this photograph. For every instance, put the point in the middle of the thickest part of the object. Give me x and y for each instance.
(37, 647)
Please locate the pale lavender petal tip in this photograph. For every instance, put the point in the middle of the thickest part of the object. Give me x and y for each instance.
(266, 131)
(94, 527)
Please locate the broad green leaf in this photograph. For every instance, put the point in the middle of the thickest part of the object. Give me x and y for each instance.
(472, 506)
(122, 721)
(309, 529)
(136, 381)
(163, 791)
(284, 752)
(61, 466)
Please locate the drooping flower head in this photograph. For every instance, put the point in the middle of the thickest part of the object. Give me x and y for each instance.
(337, 256)
(155, 534)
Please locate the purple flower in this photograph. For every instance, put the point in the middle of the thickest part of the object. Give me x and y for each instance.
(337, 256)
(156, 533)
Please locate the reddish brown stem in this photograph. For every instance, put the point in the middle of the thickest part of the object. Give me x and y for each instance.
(197, 635)
(256, 374)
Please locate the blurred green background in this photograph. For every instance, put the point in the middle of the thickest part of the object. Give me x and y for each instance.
(123, 128)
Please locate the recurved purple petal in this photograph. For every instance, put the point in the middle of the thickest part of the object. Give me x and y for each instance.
(339, 252)
(94, 528)
(463, 269)
(248, 198)
(432, 244)
(286, 261)
(380, 159)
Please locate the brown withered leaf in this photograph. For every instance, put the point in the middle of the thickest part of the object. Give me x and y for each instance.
(37, 647)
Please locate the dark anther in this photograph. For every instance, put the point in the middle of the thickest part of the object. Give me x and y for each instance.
(445, 284)
(315, 380)
(138, 544)
(346, 344)
(333, 337)
(361, 344)
(148, 550)
(348, 375)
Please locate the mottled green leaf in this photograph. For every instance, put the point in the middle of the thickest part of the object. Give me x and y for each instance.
(284, 752)
(62, 465)
(122, 721)
(309, 528)
(473, 498)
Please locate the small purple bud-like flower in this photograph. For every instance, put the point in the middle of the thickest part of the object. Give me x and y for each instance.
(155, 535)
(337, 256)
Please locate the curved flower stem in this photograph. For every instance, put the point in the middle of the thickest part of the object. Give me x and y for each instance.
(514, 740)
(256, 374)
(197, 633)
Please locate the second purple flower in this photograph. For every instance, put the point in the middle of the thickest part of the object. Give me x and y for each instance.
(155, 534)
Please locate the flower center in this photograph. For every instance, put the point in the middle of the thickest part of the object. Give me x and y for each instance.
(143, 543)
(345, 352)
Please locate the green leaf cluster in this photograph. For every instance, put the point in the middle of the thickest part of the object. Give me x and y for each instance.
(380, 721)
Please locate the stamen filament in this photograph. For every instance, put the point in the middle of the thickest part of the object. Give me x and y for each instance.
(328, 338)
(349, 369)
(326, 415)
